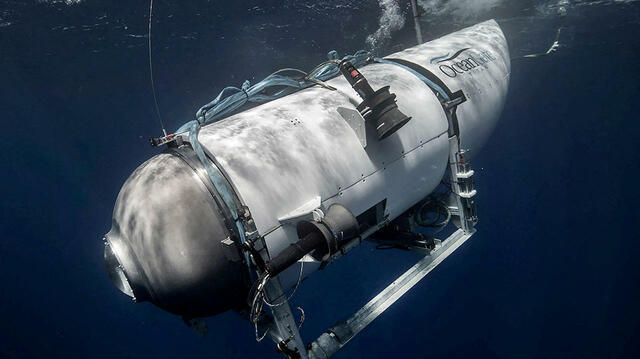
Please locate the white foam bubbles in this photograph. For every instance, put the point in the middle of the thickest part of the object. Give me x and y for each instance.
(391, 20)
(462, 9)
(66, 2)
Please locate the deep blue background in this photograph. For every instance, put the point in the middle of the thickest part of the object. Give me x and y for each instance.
(552, 272)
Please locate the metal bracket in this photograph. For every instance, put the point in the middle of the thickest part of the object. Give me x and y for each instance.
(356, 121)
(170, 140)
(310, 211)
(462, 186)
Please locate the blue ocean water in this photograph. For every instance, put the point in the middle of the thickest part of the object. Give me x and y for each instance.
(552, 272)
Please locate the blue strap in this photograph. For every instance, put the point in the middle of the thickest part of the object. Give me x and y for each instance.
(429, 83)
(232, 98)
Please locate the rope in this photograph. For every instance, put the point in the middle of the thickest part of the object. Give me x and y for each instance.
(274, 86)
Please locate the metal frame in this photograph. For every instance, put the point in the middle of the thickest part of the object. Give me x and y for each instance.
(339, 335)
(183, 149)
(336, 337)
(282, 327)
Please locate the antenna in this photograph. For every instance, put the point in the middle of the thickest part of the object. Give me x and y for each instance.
(416, 20)
(153, 87)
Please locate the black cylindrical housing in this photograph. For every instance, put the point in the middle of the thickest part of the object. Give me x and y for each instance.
(356, 80)
(294, 253)
(382, 104)
(320, 239)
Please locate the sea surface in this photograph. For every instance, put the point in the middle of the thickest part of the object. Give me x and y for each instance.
(553, 271)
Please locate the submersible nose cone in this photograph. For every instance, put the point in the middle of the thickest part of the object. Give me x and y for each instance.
(166, 247)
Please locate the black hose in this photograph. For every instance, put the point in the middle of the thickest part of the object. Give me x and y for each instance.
(295, 252)
(431, 206)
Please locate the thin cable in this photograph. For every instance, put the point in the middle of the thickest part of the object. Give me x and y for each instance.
(259, 338)
(288, 69)
(259, 299)
(256, 307)
(153, 87)
(292, 293)
(302, 317)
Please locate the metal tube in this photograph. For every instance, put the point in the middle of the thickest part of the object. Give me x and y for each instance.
(416, 20)
(339, 335)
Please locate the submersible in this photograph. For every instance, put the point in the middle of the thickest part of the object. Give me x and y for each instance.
(304, 178)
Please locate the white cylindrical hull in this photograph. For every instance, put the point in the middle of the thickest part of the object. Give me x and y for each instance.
(287, 152)
(174, 240)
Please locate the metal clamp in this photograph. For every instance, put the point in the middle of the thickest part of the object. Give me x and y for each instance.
(243, 225)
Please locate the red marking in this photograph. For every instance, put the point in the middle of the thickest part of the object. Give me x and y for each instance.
(171, 136)
(354, 73)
